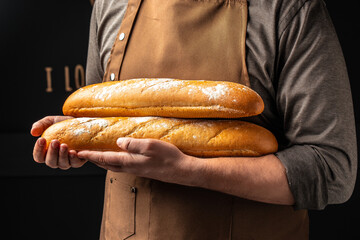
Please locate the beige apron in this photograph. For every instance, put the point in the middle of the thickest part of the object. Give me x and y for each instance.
(186, 39)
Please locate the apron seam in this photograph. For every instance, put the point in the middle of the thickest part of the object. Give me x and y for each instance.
(231, 218)
(149, 222)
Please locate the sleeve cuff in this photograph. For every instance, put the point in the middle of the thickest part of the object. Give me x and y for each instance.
(305, 176)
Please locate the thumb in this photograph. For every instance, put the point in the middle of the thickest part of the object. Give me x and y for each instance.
(132, 145)
(38, 128)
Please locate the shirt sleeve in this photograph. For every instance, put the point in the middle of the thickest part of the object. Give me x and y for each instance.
(315, 104)
(105, 21)
(94, 69)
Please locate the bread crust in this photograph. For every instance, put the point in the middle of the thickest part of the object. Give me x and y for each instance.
(196, 137)
(165, 98)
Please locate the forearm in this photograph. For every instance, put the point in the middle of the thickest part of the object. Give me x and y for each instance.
(260, 179)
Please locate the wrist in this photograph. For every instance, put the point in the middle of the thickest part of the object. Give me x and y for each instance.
(190, 171)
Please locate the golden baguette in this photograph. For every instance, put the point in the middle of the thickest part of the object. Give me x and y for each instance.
(197, 137)
(164, 98)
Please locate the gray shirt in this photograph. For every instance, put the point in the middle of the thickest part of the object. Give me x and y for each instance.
(296, 64)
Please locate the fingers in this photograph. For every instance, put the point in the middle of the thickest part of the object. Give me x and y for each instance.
(63, 161)
(39, 151)
(147, 147)
(100, 157)
(68, 158)
(143, 157)
(40, 126)
(138, 146)
(57, 156)
(75, 162)
(52, 155)
(108, 160)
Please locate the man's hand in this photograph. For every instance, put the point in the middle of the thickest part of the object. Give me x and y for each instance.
(149, 158)
(255, 178)
(58, 155)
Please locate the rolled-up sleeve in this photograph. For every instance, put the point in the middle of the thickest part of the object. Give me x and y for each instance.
(94, 70)
(315, 104)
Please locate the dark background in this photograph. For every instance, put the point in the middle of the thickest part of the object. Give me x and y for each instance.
(43, 203)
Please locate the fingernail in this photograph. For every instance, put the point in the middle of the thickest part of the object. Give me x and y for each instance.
(119, 141)
(41, 142)
(63, 148)
(55, 145)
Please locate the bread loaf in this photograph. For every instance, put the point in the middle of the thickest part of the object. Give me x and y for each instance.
(164, 98)
(202, 138)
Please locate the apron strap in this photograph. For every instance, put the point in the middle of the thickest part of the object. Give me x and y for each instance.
(113, 70)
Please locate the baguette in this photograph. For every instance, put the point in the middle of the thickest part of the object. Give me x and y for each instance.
(165, 98)
(196, 137)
